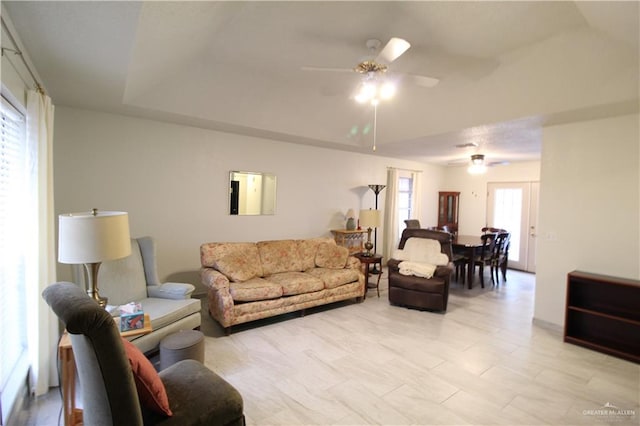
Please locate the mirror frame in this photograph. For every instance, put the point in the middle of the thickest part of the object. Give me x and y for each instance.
(265, 200)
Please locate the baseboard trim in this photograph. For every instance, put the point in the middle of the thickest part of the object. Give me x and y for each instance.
(556, 328)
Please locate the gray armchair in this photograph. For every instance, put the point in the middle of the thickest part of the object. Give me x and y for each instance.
(197, 396)
(135, 279)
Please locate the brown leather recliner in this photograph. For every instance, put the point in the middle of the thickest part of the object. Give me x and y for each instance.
(421, 293)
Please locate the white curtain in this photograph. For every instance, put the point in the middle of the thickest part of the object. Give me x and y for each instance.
(42, 323)
(416, 197)
(391, 237)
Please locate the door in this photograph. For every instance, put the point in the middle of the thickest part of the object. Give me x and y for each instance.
(514, 206)
(533, 227)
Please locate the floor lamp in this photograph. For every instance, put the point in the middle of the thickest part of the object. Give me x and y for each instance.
(376, 190)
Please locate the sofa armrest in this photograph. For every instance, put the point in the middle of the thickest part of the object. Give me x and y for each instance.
(353, 263)
(392, 264)
(443, 271)
(213, 279)
(171, 290)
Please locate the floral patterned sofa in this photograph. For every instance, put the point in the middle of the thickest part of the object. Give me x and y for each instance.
(250, 281)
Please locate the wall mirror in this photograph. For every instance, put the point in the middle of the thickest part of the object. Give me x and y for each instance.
(252, 193)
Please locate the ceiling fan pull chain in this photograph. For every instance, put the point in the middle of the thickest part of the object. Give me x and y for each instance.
(375, 124)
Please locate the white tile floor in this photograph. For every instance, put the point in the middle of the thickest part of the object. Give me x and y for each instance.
(483, 362)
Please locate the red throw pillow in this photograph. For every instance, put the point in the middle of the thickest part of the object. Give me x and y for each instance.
(151, 391)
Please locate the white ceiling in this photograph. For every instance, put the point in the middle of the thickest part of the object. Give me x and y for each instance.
(506, 68)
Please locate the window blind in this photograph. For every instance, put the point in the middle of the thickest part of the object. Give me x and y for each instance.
(14, 177)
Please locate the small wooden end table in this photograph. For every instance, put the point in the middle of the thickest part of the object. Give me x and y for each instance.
(367, 261)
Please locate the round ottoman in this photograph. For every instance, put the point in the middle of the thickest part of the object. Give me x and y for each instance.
(186, 344)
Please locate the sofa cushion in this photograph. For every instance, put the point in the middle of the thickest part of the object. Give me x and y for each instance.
(164, 312)
(333, 278)
(308, 248)
(254, 289)
(279, 256)
(331, 256)
(237, 267)
(297, 283)
(210, 253)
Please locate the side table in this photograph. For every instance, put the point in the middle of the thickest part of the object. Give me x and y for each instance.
(367, 261)
(351, 239)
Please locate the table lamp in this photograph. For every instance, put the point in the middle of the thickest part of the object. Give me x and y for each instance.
(91, 238)
(369, 219)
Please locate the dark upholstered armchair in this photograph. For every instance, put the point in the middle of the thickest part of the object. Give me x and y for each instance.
(417, 292)
(196, 395)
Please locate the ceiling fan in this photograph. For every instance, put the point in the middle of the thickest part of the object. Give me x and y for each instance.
(477, 163)
(375, 68)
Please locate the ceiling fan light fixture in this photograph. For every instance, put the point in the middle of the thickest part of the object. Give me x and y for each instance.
(477, 165)
(372, 91)
(477, 159)
(387, 90)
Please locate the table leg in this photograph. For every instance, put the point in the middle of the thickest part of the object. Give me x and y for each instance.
(72, 415)
(366, 278)
(472, 266)
(378, 282)
(68, 383)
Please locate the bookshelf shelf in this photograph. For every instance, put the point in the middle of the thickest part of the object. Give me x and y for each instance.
(603, 313)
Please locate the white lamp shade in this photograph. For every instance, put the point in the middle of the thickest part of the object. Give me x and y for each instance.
(91, 238)
(369, 218)
(351, 213)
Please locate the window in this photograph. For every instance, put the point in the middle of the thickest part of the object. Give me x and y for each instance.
(13, 192)
(405, 201)
(507, 214)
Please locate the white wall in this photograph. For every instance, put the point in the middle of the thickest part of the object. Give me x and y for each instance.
(173, 181)
(473, 190)
(589, 207)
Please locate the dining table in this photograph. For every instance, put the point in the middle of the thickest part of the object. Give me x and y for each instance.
(467, 245)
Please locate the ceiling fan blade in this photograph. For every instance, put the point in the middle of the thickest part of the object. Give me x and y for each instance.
(422, 80)
(324, 69)
(392, 51)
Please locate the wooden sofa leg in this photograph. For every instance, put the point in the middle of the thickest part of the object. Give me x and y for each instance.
(302, 312)
(227, 331)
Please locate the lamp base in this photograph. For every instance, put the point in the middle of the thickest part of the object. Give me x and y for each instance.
(368, 245)
(102, 301)
(92, 284)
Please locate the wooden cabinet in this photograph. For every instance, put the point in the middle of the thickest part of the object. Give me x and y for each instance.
(603, 313)
(448, 203)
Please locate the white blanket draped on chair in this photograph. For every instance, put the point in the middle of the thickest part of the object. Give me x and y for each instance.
(420, 257)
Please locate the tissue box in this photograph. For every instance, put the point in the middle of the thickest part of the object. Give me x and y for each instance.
(133, 321)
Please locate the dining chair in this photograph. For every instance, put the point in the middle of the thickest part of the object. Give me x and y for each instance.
(491, 230)
(485, 256)
(500, 257)
(412, 223)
